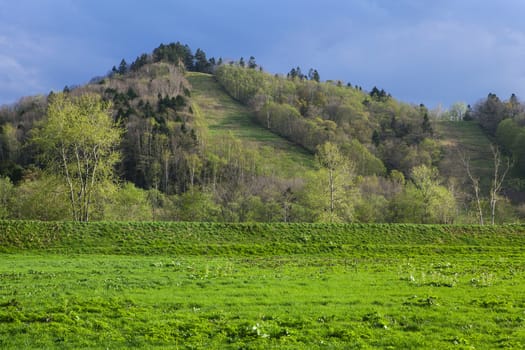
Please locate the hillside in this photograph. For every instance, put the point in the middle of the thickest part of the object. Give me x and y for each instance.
(207, 140)
(465, 137)
(222, 115)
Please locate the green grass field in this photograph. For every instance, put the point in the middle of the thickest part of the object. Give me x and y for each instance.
(222, 115)
(205, 286)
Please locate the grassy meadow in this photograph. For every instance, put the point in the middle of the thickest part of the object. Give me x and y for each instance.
(259, 286)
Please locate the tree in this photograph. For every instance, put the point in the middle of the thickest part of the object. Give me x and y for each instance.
(489, 113)
(426, 126)
(518, 150)
(6, 197)
(296, 73)
(514, 109)
(506, 134)
(497, 180)
(201, 62)
(41, 197)
(457, 111)
(123, 67)
(196, 206)
(338, 170)
(127, 203)
(313, 74)
(379, 95)
(78, 138)
(438, 204)
(376, 138)
(475, 185)
(194, 164)
(251, 63)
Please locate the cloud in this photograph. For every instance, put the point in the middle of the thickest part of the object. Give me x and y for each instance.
(427, 52)
(429, 61)
(18, 73)
(36, 62)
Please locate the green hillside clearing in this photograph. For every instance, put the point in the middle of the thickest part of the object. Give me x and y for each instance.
(223, 116)
(469, 139)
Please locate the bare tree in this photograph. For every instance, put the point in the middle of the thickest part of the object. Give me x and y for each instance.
(475, 184)
(497, 180)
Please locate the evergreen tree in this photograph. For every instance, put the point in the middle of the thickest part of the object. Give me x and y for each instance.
(123, 67)
(251, 63)
(313, 74)
(201, 62)
(376, 138)
(426, 126)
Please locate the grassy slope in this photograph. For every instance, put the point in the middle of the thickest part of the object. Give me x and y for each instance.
(223, 115)
(468, 137)
(246, 239)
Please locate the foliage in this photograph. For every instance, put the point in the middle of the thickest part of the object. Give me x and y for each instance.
(196, 206)
(78, 139)
(6, 197)
(241, 142)
(339, 178)
(310, 113)
(40, 198)
(437, 203)
(127, 203)
(175, 53)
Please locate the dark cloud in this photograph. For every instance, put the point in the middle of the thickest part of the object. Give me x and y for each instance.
(420, 51)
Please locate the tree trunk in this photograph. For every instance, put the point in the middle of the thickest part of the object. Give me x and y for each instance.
(497, 181)
(475, 185)
(332, 192)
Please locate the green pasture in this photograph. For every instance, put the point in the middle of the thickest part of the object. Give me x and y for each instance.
(204, 286)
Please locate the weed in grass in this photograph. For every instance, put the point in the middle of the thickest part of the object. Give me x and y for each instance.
(376, 320)
(482, 280)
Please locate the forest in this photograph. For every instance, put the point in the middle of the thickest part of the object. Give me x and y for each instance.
(138, 144)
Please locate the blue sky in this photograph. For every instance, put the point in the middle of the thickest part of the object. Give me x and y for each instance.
(420, 51)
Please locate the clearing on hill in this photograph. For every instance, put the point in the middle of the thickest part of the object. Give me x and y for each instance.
(223, 116)
(466, 138)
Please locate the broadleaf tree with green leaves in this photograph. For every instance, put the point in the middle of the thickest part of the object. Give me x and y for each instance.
(79, 141)
(339, 173)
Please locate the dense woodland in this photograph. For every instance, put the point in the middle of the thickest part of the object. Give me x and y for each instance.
(132, 145)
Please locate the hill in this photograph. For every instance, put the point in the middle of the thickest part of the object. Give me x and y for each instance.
(207, 140)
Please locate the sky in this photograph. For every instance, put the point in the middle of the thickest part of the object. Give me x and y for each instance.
(420, 51)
